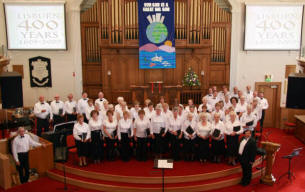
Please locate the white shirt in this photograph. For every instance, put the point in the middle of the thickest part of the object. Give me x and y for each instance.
(187, 109)
(82, 105)
(222, 115)
(79, 129)
(168, 114)
(192, 124)
(88, 111)
(175, 124)
(249, 96)
(246, 118)
(148, 113)
(22, 145)
(264, 103)
(230, 127)
(110, 127)
(38, 107)
(212, 101)
(56, 106)
(234, 95)
(203, 130)
(95, 125)
(220, 125)
(141, 126)
(257, 111)
(117, 107)
(70, 107)
(226, 105)
(124, 126)
(242, 146)
(134, 112)
(209, 107)
(241, 108)
(100, 102)
(158, 121)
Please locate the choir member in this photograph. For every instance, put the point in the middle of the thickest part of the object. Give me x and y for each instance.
(175, 125)
(234, 92)
(256, 109)
(181, 112)
(247, 153)
(90, 107)
(100, 112)
(213, 100)
(193, 111)
(125, 131)
(223, 93)
(43, 114)
(255, 95)
(58, 111)
(240, 94)
(189, 132)
(190, 103)
(149, 110)
(241, 106)
(203, 132)
(146, 102)
(96, 125)
(249, 119)
(100, 100)
(82, 104)
(142, 130)
(118, 106)
(82, 136)
(165, 111)
(233, 128)
(70, 108)
(20, 149)
(134, 111)
(227, 102)
(248, 94)
(110, 132)
(218, 110)
(218, 145)
(121, 110)
(162, 100)
(264, 106)
(210, 94)
(234, 102)
(204, 103)
(159, 128)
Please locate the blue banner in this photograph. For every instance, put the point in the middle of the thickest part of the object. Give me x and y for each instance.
(156, 34)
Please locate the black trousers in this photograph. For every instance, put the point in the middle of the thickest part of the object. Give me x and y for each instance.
(204, 148)
(57, 119)
(42, 123)
(175, 147)
(141, 149)
(232, 145)
(262, 119)
(23, 168)
(110, 148)
(218, 147)
(159, 144)
(71, 117)
(82, 148)
(247, 172)
(125, 147)
(96, 149)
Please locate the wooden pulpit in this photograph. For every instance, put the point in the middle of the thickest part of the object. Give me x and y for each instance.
(271, 149)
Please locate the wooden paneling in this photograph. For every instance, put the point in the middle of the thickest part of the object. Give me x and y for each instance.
(110, 48)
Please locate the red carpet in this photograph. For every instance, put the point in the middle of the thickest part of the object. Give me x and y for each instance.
(288, 143)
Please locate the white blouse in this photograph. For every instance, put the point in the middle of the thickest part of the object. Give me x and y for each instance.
(110, 127)
(88, 111)
(134, 113)
(95, 125)
(158, 121)
(220, 126)
(241, 108)
(192, 124)
(230, 127)
(141, 126)
(148, 113)
(79, 129)
(246, 118)
(175, 124)
(203, 130)
(124, 126)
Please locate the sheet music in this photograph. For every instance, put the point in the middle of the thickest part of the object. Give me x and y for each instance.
(164, 164)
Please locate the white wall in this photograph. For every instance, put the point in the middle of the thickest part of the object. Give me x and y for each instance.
(63, 63)
(248, 67)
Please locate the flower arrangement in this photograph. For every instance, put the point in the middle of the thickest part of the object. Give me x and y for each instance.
(190, 79)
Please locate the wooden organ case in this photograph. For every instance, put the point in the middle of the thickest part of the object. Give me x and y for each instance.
(109, 32)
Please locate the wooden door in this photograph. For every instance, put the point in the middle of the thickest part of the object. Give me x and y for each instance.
(272, 92)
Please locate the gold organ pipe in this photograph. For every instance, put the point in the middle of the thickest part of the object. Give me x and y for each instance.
(112, 21)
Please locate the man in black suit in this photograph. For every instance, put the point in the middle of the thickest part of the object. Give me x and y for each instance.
(247, 153)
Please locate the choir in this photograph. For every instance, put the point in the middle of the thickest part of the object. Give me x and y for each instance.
(209, 132)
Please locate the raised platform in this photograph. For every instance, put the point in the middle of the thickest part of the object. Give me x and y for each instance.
(141, 176)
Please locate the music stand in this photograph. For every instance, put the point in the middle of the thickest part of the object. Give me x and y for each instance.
(294, 153)
(163, 164)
